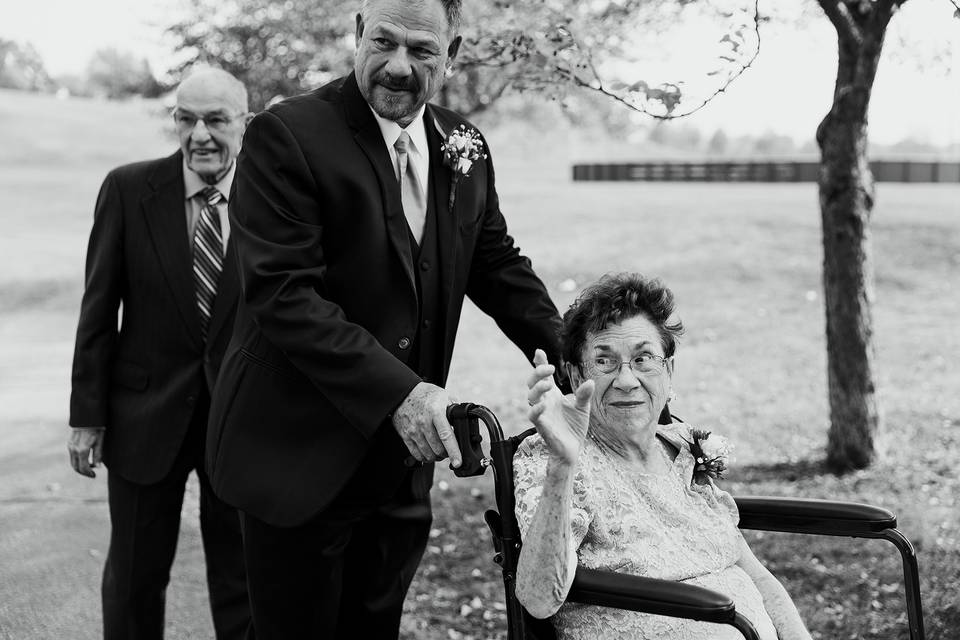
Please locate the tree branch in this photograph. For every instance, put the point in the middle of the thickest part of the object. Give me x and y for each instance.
(839, 14)
(892, 5)
(599, 88)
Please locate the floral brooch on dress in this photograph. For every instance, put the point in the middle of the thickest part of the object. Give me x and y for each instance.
(461, 149)
(711, 456)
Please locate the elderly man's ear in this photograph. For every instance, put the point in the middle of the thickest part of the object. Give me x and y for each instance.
(453, 49)
(247, 117)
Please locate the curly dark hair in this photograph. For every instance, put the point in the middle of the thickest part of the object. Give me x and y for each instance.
(613, 299)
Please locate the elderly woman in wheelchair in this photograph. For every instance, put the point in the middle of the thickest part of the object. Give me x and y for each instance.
(605, 486)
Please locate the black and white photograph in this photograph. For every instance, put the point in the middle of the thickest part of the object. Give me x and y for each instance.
(480, 320)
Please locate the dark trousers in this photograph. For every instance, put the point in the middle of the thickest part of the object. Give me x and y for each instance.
(144, 527)
(343, 574)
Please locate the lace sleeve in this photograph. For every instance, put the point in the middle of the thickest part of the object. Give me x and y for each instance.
(529, 470)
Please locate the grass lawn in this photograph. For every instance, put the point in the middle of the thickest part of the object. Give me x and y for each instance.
(744, 261)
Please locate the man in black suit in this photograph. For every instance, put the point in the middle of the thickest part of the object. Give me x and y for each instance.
(141, 393)
(357, 241)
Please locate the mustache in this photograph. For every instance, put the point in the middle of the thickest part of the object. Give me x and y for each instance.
(408, 83)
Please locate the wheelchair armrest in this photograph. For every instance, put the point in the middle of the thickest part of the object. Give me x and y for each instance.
(823, 517)
(649, 595)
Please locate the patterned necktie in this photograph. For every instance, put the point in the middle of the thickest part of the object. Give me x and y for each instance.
(207, 255)
(414, 207)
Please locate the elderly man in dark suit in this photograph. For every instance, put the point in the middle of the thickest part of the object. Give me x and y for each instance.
(141, 392)
(362, 218)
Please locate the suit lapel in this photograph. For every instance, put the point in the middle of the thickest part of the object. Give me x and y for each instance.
(163, 209)
(436, 134)
(370, 140)
(441, 178)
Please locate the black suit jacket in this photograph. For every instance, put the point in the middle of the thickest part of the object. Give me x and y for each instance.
(143, 380)
(329, 306)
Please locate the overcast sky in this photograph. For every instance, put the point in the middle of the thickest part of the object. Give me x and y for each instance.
(787, 90)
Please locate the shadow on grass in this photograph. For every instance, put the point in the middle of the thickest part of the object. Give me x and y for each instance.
(804, 469)
(48, 294)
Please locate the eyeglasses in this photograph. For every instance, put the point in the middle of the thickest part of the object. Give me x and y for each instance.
(218, 122)
(645, 364)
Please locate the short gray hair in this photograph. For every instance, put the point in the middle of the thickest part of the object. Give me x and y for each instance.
(453, 9)
(204, 73)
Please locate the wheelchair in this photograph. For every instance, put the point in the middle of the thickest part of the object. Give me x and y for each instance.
(650, 595)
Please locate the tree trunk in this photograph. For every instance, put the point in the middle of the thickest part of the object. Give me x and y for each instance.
(846, 201)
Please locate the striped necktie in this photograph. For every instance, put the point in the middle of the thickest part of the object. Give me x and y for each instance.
(207, 255)
(411, 193)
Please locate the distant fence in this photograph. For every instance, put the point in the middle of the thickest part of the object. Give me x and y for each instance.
(883, 171)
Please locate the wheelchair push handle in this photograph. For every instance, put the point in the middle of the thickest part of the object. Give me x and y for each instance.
(465, 418)
(468, 410)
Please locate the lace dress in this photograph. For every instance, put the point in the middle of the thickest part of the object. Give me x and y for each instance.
(648, 525)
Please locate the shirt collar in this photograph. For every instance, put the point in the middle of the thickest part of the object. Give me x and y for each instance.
(194, 184)
(416, 130)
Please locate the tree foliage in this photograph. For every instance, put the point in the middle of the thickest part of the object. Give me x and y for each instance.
(614, 47)
(276, 49)
(279, 49)
(21, 67)
(120, 74)
(546, 46)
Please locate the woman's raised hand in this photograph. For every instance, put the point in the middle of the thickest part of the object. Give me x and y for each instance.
(560, 420)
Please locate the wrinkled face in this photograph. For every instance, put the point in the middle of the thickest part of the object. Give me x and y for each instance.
(403, 49)
(626, 403)
(210, 118)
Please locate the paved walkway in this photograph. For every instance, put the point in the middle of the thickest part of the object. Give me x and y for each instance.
(54, 523)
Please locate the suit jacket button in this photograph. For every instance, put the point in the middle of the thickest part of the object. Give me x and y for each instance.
(425, 265)
(404, 343)
(426, 324)
(191, 400)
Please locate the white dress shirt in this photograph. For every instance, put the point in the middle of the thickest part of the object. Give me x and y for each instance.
(193, 184)
(418, 153)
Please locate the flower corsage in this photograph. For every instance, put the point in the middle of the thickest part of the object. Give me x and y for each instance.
(711, 455)
(460, 150)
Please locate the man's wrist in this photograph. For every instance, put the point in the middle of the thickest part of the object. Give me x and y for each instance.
(396, 407)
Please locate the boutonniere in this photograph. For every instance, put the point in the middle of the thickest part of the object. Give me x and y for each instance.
(460, 150)
(711, 455)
